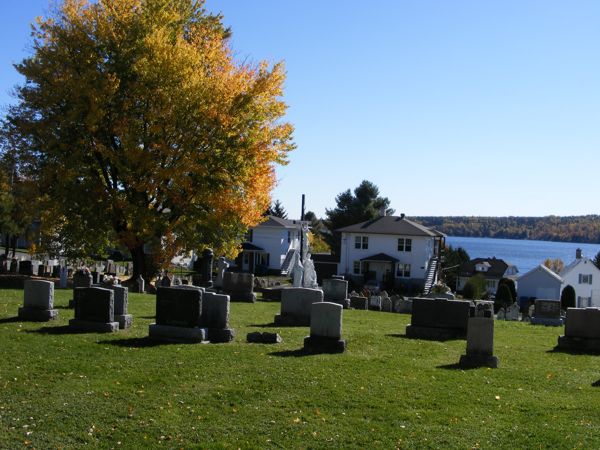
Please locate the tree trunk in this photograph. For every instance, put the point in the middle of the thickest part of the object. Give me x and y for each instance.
(14, 239)
(139, 263)
(6, 244)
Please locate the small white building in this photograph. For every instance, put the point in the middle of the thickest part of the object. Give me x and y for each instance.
(584, 276)
(270, 245)
(491, 269)
(391, 250)
(539, 282)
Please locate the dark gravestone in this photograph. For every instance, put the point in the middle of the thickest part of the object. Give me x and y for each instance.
(582, 331)
(14, 264)
(40, 271)
(81, 278)
(215, 317)
(547, 312)
(121, 296)
(178, 315)
(55, 271)
(239, 286)
(206, 267)
(438, 319)
(94, 310)
(358, 302)
(263, 338)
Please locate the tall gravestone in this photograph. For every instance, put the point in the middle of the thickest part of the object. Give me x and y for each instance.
(359, 302)
(38, 303)
(94, 310)
(121, 302)
(239, 286)
(480, 338)
(375, 303)
(63, 277)
(582, 330)
(222, 266)
(547, 312)
(296, 304)
(140, 284)
(336, 291)
(438, 319)
(178, 315)
(215, 317)
(325, 329)
(14, 265)
(206, 267)
(26, 268)
(81, 278)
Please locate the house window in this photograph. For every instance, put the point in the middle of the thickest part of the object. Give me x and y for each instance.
(490, 284)
(404, 245)
(403, 270)
(361, 242)
(248, 236)
(356, 267)
(585, 279)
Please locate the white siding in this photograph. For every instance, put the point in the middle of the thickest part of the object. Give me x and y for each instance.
(584, 267)
(539, 284)
(274, 240)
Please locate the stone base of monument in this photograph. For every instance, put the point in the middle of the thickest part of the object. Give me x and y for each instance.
(37, 315)
(220, 335)
(579, 344)
(432, 333)
(125, 320)
(318, 344)
(169, 333)
(478, 360)
(547, 321)
(98, 327)
(291, 320)
(345, 303)
(247, 297)
(263, 338)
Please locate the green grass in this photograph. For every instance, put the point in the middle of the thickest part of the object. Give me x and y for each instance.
(62, 390)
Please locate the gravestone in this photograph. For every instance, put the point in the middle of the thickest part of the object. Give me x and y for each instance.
(94, 310)
(53, 270)
(547, 312)
(501, 314)
(81, 278)
(325, 329)
(337, 277)
(512, 312)
(121, 301)
(263, 338)
(63, 282)
(40, 270)
(38, 303)
(375, 303)
(14, 265)
(296, 306)
(206, 267)
(480, 338)
(95, 276)
(222, 266)
(438, 319)
(386, 304)
(239, 286)
(140, 285)
(582, 330)
(359, 302)
(165, 281)
(178, 315)
(215, 317)
(336, 291)
(3, 264)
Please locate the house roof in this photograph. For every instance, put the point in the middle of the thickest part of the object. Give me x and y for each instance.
(380, 257)
(399, 225)
(543, 269)
(497, 268)
(273, 221)
(583, 260)
(247, 246)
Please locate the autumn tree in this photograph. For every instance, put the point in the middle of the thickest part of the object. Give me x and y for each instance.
(354, 207)
(139, 126)
(555, 265)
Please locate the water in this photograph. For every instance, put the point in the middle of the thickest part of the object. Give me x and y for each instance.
(522, 253)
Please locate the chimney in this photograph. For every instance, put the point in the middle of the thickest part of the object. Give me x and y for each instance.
(402, 215)
(578, 253)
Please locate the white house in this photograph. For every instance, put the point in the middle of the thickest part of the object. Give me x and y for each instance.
(391, 250)
(270, 245)
(584, 276)
(539, 282)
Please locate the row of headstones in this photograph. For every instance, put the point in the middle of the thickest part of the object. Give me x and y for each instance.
(27, 267)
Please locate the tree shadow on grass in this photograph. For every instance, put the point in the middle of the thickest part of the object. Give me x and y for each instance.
(63, 329)
(567, 351)
(10, 320)
(397, 335)
(142, 342)
(264, 325)
(458, 366)
(291, 353)
(596, 383)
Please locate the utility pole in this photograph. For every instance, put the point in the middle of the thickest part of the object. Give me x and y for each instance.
(302, 231)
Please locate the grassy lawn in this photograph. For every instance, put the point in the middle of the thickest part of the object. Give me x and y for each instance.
(63, 390)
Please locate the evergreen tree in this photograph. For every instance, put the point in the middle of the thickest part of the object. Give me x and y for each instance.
(277, 210)
(504, 298)
(511, 286)
(453, 258)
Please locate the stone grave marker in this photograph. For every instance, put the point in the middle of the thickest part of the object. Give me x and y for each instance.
(215, 317)
(140, 285)
(325, 329)
(263, 338)
(402, 305)
(121, 302)
(14, 265)
(296, 306)
(480, 338)
(438, 319)
(359, 302)
(336, 291)
(222, 266)
(239, 286)
(386, 304)
(38, 303)
(582, 330)
(81, 278)
(512, 312)
(94, 310)
(547, 312)
(375, 303)
(178, 315)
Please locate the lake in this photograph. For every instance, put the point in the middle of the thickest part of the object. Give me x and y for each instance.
(524, 254)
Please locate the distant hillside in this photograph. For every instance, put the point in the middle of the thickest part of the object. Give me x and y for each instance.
(550, 228)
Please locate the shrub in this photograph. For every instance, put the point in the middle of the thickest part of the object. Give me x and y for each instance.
(504, 297)
(475, 287)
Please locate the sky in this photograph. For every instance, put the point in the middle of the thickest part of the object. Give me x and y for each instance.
(487, 108)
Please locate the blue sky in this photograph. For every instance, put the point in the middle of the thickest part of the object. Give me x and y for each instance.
(450, 107)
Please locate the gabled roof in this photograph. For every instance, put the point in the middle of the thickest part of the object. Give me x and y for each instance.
(251, 247)
(380, 257)
(278, 222)
(497, 268)
(542, 268)
(398, 225)
(575, 263)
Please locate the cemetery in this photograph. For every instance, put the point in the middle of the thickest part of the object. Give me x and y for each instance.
(291, 383)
